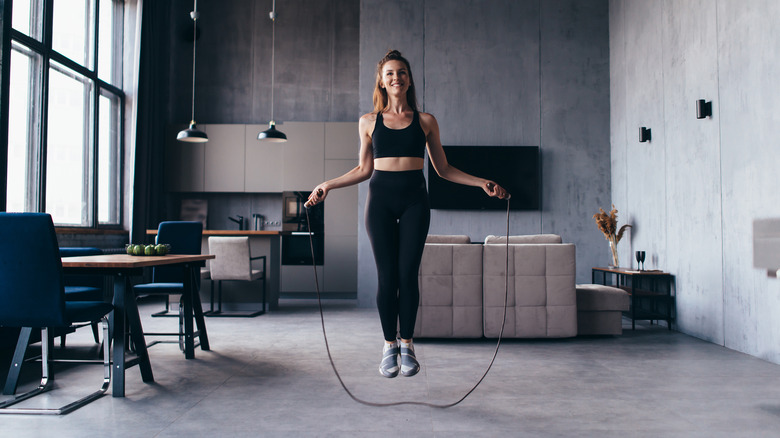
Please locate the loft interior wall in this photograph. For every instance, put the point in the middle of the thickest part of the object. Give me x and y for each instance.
(694, 190)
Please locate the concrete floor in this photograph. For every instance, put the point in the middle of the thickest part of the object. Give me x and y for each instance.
(270, 376)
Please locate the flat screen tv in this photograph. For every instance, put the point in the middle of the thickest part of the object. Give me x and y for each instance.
(516, 168)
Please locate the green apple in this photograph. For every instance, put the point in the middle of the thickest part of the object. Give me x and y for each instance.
(161, 249)
(138, 250)
(149, 250)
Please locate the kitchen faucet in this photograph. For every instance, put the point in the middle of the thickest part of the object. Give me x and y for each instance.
(239, 221)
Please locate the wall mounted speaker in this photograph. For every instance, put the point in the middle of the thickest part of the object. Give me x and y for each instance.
(703, 109)
(644, 134)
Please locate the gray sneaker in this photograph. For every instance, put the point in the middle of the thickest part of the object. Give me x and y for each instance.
(389, 365)
(409, 364)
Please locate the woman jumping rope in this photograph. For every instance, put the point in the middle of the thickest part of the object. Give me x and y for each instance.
(393, 140)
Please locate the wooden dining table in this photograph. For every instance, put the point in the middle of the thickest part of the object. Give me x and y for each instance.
(122, 267)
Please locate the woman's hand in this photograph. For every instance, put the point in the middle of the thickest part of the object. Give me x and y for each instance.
(317, 195)
(495, 190)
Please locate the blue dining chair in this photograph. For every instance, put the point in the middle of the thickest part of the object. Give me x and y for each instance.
(33, 296)
(83, 287)
(184, 237)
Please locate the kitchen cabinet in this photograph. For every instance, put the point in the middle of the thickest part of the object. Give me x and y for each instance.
(342, 141)
(233, 160)
(263, 162)
(304, 155)
(296, 164)
(184, 162)
(341, 204)
(224, 166)
(341, 224)
(335, 155)
(300, 278)
(340, 268)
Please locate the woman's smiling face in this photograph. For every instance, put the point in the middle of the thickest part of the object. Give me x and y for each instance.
(395, 77)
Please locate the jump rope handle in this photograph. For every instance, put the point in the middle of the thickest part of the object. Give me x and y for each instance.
(308, 204)
(508, 195)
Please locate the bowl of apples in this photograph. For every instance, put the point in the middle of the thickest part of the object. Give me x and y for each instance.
(159, 249)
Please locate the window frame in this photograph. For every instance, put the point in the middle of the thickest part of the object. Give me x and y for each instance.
(37, 147)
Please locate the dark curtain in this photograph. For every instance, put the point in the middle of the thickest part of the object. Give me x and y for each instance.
(149, 202)
(5, 84)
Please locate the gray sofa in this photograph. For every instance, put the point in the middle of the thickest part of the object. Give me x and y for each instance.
(462, 288)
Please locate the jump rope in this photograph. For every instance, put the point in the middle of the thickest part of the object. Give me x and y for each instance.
(410, 402)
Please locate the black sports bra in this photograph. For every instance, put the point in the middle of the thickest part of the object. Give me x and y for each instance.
(406, 142)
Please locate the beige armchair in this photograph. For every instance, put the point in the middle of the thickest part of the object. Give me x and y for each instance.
(233, 262)
(542, 300)
(450, 282)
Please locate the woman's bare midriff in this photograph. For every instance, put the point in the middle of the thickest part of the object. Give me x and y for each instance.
(398, 164)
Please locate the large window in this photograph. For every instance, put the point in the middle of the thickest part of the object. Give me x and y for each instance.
(22, 120)
(65, 127)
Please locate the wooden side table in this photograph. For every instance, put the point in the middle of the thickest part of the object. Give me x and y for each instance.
(652, 292)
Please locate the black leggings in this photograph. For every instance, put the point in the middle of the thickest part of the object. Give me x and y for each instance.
(397, 220)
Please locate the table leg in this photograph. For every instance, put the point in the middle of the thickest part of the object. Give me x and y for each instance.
(189, 288)
(120, 286)
(126, 311)
(197, 308)
(669, 304)
(274, 265)
(137, 335)
(633, 307)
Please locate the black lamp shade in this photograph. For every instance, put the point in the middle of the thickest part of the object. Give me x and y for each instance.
(192, 135)
(272, 134)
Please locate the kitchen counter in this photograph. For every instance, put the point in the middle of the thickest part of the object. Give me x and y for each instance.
(234, 232)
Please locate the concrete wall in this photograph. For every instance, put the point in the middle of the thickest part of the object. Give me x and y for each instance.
(693, 191)
(525, 72)
(316, 61)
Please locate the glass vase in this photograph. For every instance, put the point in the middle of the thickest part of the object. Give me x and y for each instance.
(613, 249)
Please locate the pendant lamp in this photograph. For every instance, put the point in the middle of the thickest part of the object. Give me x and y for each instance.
(272, 134)
(193, 134)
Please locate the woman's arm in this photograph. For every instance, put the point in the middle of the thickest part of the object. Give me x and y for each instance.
(448, 172)
(357, 175)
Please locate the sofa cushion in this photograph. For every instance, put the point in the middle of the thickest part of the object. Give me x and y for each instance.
(528, 239)
(450, 280)
(446, 238)
(597, 297)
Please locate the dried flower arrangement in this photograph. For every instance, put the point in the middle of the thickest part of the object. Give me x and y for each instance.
(607, 223)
